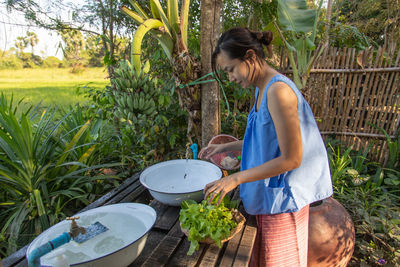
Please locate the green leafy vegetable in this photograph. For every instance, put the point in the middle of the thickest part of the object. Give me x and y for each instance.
(204, 220)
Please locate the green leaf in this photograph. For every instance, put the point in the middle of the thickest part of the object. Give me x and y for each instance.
(137, 40)
(206, 220)
(133, 15)
(293, 15)
(165, 41)
(158, 13)
(39, 202)
(184, 21)
(138, 9)
(173, 15)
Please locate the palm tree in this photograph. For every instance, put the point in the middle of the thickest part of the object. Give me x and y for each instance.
(21, 43)
(170, 29)
(32, 39)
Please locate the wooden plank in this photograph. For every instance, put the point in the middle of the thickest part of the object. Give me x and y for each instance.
(23, 263)
(176, 230)
(102, 200)
(181, 259)
(246, 244)
(163, 252)
(210, 256)
(168, 219)
(122, 194)
(144, 198)
(153, 239)
(15, 258)
(231, 250)
(133, 195)
(159, 207)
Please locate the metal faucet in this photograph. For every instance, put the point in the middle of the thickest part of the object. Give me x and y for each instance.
(34, 256)
(191, 148)
(75, 230)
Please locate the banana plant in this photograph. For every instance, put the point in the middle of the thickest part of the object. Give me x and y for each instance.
(297, 29)
(170, 28)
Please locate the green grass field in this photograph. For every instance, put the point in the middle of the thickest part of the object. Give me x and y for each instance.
(50, 86)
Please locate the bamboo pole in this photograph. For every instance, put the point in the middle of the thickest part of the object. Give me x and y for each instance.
(375, 70)
(356, 134)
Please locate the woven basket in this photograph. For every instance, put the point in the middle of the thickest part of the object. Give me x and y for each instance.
(237, 216)
(218, 158)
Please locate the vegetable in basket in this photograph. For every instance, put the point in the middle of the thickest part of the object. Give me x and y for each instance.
(204, 220)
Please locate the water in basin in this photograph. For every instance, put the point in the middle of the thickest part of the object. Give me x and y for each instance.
(178, 176)
(125, 227)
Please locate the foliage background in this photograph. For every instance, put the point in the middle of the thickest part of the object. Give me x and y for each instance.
(367, 189)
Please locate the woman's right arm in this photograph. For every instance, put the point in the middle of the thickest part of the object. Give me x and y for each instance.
(220, 148)
(234, 146)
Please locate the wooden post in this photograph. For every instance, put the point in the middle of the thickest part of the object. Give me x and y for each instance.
(210, 113)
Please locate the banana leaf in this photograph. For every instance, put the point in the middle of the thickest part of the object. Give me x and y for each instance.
(173, 15)
(137, 40)
(293, 15)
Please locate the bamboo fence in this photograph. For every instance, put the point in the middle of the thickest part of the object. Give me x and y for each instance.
(350, 92)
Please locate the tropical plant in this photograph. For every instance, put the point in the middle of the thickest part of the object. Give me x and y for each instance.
(40, 172)
(379, 20)
(170, 29)
(297, 27)
(372, 203)
(342, 35)
(32, 39)
(148, 122)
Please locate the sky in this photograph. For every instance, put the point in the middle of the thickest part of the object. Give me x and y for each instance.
(13, 25)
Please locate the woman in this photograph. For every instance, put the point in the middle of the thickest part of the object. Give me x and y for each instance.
(284, 164)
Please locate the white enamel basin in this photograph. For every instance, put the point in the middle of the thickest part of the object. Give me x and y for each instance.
(173, 181)
(127, 223)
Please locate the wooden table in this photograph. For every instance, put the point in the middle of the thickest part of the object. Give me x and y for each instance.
(166, 245)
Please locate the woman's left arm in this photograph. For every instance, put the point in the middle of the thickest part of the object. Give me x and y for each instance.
(282, 105)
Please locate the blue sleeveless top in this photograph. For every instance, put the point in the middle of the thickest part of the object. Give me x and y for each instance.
(292, 190)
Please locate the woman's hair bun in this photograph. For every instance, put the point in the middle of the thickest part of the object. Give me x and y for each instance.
(263, 37)
(267, 37)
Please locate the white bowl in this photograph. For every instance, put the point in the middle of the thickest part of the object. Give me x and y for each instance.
(127, 223)
(173, 181)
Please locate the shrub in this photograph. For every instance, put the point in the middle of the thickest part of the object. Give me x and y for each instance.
(52, 62)
(10, 61)
(44, 171)
(373, 203)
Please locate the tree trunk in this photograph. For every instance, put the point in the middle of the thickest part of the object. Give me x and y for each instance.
(210, 24)
(328, 20)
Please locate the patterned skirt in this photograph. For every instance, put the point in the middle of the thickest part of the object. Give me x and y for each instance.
(281, 240)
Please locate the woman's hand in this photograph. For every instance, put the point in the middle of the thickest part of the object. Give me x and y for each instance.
(213, 149)
(222, 186)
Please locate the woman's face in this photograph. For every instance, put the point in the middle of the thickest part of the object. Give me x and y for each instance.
(238, 71)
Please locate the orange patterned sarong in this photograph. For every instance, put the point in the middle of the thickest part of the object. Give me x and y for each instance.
(281, 240)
